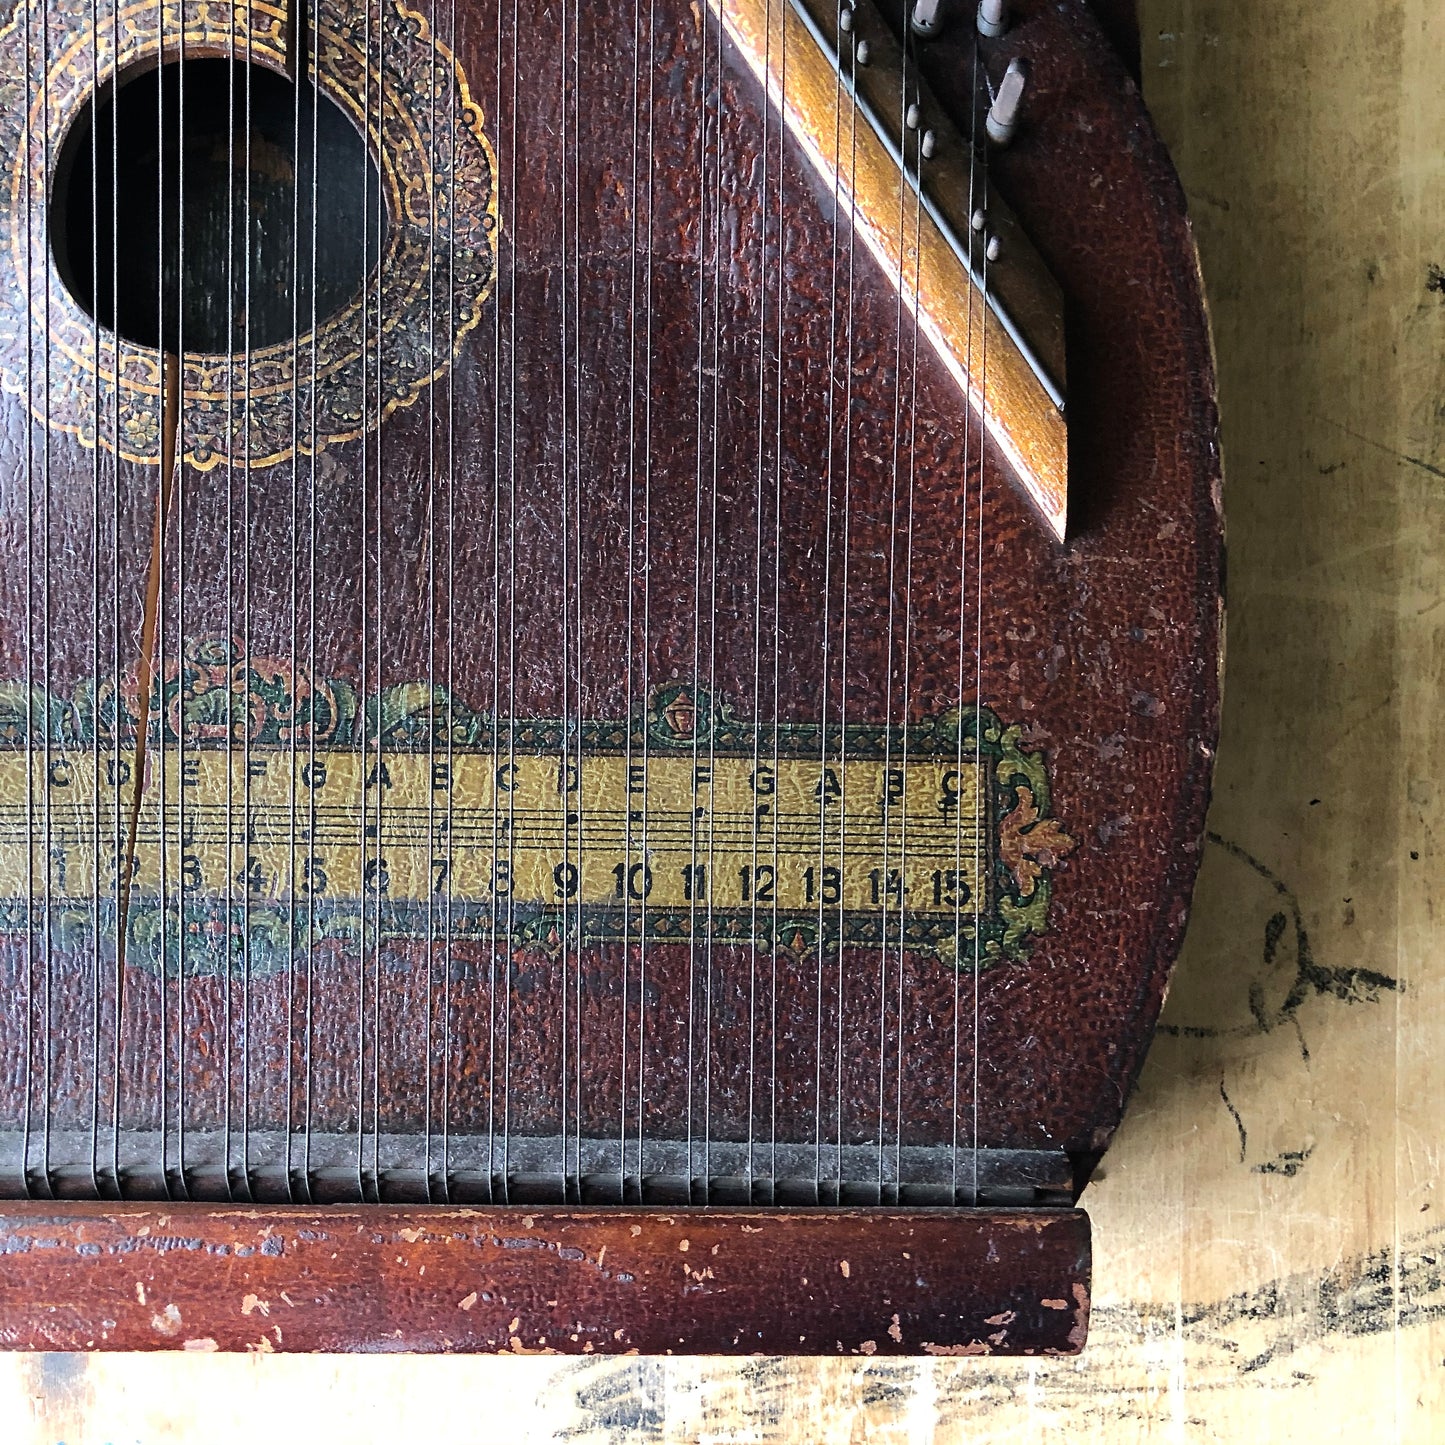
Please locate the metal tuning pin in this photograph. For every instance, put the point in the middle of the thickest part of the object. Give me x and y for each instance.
(1003, 115)
(993, 249)
(927, 18)
(992, 18)
(845, 19)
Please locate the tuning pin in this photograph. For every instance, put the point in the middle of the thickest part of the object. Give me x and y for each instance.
(992, 18)
(864, 53)
(845, 19)
(1003, 115)
(927, 18)
(978, 220)
(911, 117)
(927, 145)
(993, 249)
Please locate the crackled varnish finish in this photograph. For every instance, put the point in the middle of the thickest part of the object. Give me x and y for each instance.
(563, 499)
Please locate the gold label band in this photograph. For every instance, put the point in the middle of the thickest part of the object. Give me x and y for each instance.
(277, 809)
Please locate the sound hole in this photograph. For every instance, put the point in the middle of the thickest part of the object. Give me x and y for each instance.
(207, 206)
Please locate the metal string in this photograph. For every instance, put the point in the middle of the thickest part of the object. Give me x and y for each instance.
(625, 886)
(917, 238)
(750, 892)
(247, 817)
(314, 53)
(715, 464)
(567, 579)
(777, 600)
(179, 482)
(118, 857)
(496, 541)
(376, 863)
(229, 866)
(825, 663)
(446, 1174)
(511, 613)
(371, 126)
(295, 63)
(978, 679)
(152, 661)
(34, 944)
(646, 588)
(576, 577)
(974, 200)
(846, 546)
(431, 882)
(884, 892)
(693, 889)
(95, 675)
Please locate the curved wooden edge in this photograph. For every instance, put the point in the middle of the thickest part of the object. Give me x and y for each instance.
(514, 1280)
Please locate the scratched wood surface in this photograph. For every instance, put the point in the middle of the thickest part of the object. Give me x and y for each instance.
(1269, 1237)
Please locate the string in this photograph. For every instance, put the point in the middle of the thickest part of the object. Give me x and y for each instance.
(447, 958)
(692, 890)
(751, 881)
(917, 205)
(579, 112)
(974, 199)
(496, 659)
(511, 612)
(646, 596)
(33, 943)
(152, 661)
(96, 920)
(568, 581)
(431, 882)
(230, 452)
(47, 1180)
(296, 67)
(715, 472)
(883, 887)
(630, 869)
(247, 816)
(978, 681)
(178, 424)
(777, 943)
(846, 547)
(314, 51)
(372, 886)
(820, 884)
(118, 857)
(370, 340)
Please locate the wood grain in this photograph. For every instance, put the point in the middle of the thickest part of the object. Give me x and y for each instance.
(550, 1281)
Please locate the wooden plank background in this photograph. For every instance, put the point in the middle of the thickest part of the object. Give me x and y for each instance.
(1269, 1230)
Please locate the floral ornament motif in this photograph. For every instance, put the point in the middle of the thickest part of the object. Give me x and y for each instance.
(1030, 844)
(407, 95)
(215, 691)
(680, 715)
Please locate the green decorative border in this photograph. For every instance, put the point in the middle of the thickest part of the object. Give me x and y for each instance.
(215, 695)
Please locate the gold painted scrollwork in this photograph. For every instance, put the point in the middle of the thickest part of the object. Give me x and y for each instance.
(405, 92)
